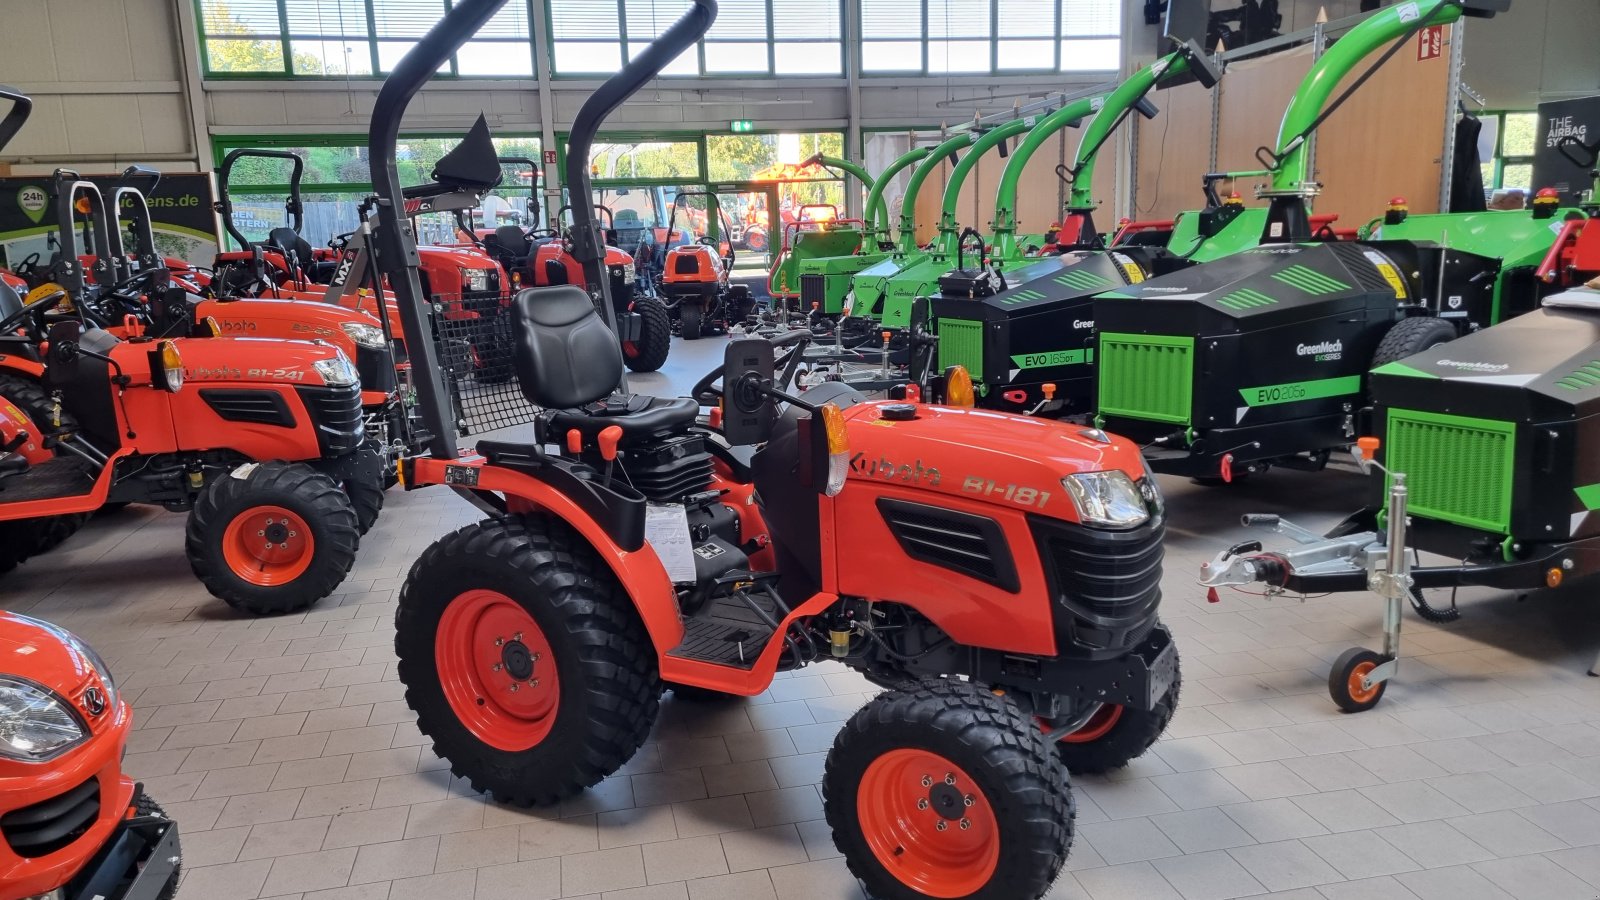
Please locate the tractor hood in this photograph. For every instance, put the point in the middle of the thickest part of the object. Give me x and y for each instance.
(55, 659)
(1539, 367)
(257, 360)
(297, 319)
(465, 257)
(984, 456)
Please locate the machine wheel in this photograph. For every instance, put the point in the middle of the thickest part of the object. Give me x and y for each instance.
(690, 320)
(271, 538)
(525, 660)
(649, 352)
(947, 790)
(1116, 735)
(1411, 336)
(366, 498)
(755, 240)
(1344, 680)
(143, 805)
(27, 538)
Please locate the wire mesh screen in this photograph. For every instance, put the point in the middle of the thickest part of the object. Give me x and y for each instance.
(473, 340)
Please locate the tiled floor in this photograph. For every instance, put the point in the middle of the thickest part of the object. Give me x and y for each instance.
(285, 750)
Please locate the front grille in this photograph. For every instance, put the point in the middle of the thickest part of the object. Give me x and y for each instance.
(336, 414)
(1457, 469)
(1146, 376)
(961, 344)
(376, 367)
(44, 828)
(259, 407)
(485, 301)
(1107, 583)
(962, 542)
(813, 292)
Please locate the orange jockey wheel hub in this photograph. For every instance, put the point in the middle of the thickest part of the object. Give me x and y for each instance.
(268, 546)
(497, 670)
(928, 823)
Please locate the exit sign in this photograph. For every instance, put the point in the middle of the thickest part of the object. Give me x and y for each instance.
(742, 126)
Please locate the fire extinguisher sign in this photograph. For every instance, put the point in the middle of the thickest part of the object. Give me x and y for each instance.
(1430, 42)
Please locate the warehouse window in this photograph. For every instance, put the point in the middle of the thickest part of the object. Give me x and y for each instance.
(351, 38)
(954, 37)
(750, 37)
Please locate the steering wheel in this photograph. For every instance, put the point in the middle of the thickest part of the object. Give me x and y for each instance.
(706, 241)
(28, 269)
(32, 310)
(338, 242)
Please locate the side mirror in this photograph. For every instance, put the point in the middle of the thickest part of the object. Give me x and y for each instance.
(748, 414)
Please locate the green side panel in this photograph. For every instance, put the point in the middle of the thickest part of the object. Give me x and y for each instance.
(1458, 469)
(1147, 376)
(1083, 281)
(1242, 233)
(1400, 368)
(1245, 298)
(1584, 377)
(961, 344)
(1588, 495)
(1295, 391)
(1309, 280)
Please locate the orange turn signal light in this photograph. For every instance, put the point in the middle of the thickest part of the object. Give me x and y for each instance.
(958, 387)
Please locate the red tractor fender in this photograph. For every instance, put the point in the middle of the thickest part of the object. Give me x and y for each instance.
(640, 572)
(21, 365)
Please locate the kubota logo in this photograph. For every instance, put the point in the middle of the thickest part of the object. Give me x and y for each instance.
(886, 469)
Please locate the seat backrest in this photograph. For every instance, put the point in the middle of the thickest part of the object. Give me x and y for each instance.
(512, 239)
(564, 353)
(295, 248)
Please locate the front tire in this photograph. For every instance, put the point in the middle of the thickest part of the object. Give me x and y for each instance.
(525, 660)
(947, 790)
(649, 352)
(690, 320)
(1411, 336)
(272, 538)
(143, 805)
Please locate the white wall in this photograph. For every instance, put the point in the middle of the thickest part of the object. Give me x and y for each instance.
(1540, 50)
(106, 79)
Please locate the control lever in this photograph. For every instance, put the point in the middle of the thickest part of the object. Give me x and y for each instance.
(608, 439)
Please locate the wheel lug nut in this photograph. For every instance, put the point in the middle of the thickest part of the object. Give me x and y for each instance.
(513, 687)
(967, 801)
(950, 779)
(965, 824)
(940, 826)
(536, 657)
(499, 642)
(517, 636)
(533, 682)
(922, 803)
(497, 667)
(261, 533)
(291, 534)
(927, 781)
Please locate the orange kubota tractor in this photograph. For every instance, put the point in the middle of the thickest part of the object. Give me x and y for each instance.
(266, 447)
(73, 826)
(998, 574)
(696, 279)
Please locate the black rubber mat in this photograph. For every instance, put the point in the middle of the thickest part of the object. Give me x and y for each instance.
(726, 632)
(59, 477)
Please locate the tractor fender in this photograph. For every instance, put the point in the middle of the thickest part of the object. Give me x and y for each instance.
(640, 571)
(21, 365)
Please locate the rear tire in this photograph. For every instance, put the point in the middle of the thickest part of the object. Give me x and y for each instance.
(143, 805)
(690, 320)
(303, 514)
(532, 730)
(944, 753)
(650, 351)
(1411, 336)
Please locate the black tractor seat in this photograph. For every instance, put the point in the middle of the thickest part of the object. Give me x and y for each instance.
(639, 416)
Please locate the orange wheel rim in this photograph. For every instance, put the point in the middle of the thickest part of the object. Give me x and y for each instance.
(268, 546)
(928, 823)
(1358, 693)
(1099, 725)
(497, 670)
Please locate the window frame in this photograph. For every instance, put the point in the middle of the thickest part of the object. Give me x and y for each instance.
(286, 38)
(994, 39)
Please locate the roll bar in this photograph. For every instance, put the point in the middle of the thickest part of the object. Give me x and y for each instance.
(141, 225)
(291, 205)
(67, 186)
(396, 242)
(533, 185)
(17, 116)
(588, 243)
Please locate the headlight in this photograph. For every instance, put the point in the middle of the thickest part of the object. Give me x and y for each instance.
(35, 725)
(475, 279)
(337, 372)
(1107, 499)
(369, 336)
(623, 272)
